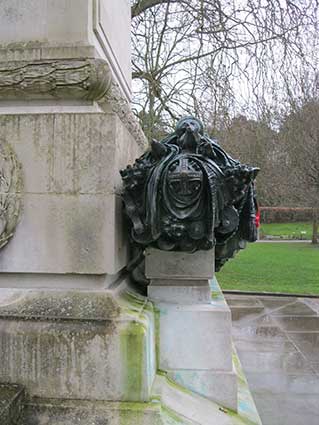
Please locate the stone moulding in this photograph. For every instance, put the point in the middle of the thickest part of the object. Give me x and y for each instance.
(71, 79)
(119, 105)
(11, 186)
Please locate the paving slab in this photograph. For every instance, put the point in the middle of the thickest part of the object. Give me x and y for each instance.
(307, 343)
(279, 383)
(295, 309)
(271, 361)
(246, 302)
(288, 410)
(240, 312)
(299, 323)
(277, 339)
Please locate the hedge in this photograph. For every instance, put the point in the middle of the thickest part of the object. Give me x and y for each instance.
(285, 214)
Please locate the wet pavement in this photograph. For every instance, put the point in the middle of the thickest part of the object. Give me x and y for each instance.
(277, 339)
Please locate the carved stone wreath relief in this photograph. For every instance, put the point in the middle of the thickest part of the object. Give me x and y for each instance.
(11, 185)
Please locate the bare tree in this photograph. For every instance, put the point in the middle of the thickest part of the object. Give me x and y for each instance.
(255, 143)
(299, 138)
(217, 58)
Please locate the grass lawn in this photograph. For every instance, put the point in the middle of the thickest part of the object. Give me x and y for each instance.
(287, 230)
(273, 267)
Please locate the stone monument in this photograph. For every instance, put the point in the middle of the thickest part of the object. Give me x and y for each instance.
(191, 207)
(78, 344)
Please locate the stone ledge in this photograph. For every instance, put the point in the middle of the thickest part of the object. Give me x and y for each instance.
(78, 345)
(80, 79)
(218, 386)
(171, 404)
(179, 265)
(74, 412)
(186, 294)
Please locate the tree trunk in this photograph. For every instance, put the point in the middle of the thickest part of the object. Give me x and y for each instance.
(315, 226)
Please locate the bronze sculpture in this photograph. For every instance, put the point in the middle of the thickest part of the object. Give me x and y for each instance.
(188, 194)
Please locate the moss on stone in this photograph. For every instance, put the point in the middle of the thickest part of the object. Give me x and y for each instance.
(61, 305)
(132, 340)
(157, 335)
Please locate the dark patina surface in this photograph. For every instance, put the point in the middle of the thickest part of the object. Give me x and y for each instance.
(188, 194)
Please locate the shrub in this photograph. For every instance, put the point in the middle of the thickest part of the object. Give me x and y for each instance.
(285, 214)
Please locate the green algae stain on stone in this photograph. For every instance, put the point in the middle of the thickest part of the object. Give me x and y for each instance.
(132, 340)
(132, 412)
(157, 314)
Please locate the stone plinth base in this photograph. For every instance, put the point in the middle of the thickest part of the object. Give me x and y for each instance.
(184, 294)
(72, 217)
(89, 357)
(172, 265)
(171, 404)
(89, 345)
(194, 329)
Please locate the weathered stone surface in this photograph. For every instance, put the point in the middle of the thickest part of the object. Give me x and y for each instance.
(220, 387)
(108, 17)
(171, 405)
(194, 337)
(70, 153)
(78, 344)
(56, 21)
(115, 101)
(72, 220)
(68, 29)
(68, 234)
(11, 404)
(188, 294)
(203, 411)
(179, 265)
(57, 281)
(83, 79)
(203, 283)
(11, 187)
(51, 412)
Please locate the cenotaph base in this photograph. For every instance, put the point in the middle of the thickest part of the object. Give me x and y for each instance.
(78, 344)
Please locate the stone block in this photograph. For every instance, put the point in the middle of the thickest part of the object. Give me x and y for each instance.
(81, 412)
(194, 337)
(77, 344)
(70, 153)
(180, 282)
(68, 234)
(108, 17)
(220, 387)
(179, 265)
(65, 281)
(189, 294)
(89, 27)
(57, 21)
(72, 219)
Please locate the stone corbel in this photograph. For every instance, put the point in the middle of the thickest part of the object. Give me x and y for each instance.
(71, 79)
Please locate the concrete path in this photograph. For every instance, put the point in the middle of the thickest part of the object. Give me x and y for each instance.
(277, 340)
(284, 240)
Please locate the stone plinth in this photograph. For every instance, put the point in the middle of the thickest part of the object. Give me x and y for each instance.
(195, 347)
(64, 85)
(179, 277)
(72, 220)
(77, 345)
(68, 29)
(167, 265)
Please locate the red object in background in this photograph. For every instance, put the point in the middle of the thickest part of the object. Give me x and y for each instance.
(257, 218)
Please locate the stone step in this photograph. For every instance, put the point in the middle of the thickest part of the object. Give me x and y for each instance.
(11, 403)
